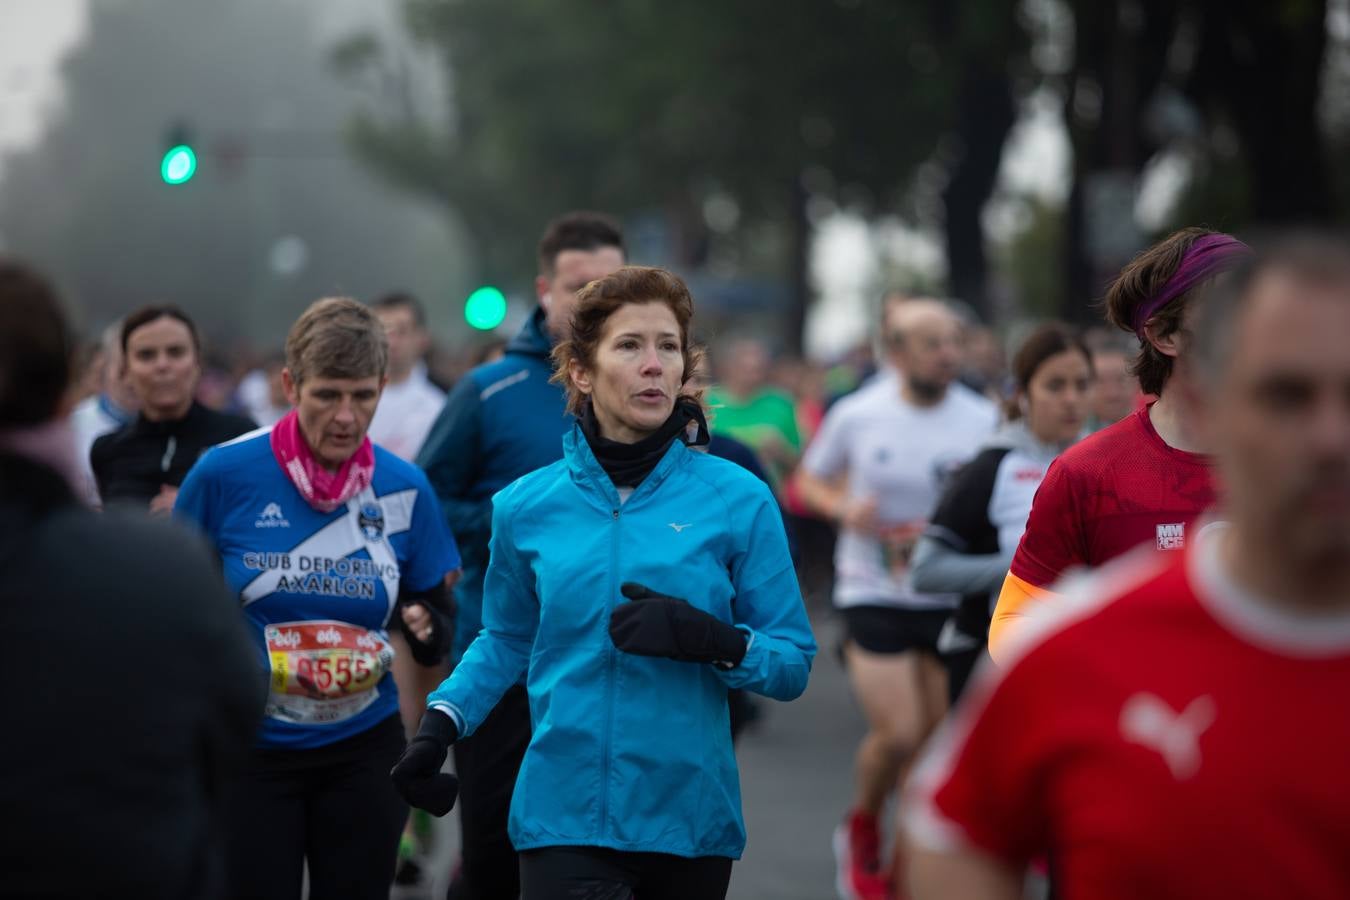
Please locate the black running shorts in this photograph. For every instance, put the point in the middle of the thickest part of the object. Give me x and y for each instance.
(890, 629)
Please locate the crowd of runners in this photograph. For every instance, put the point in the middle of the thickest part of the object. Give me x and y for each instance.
(1094, 600)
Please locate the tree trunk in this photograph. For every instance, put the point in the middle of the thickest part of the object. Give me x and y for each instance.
(987, 112)
(1263, 63)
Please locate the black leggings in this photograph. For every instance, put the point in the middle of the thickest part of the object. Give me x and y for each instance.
(598, 873)
(332, 806)
(487, 764)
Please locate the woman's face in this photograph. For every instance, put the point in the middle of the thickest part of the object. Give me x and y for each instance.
(334, 413)
(162, 368)
(638, 371)
(1058, 397)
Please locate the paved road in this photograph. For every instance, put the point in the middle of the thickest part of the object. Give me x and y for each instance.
(796, 773)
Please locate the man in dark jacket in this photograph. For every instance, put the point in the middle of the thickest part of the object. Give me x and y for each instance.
(504, 420)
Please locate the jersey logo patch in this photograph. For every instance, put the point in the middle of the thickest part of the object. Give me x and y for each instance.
(371, 521)
(1147, 720)
(1172, 537)
(679, 528)
(271, 517)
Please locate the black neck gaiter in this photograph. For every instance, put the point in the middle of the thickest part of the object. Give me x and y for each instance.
(628, 464)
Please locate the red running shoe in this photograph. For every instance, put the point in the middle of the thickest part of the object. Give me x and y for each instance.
(857, 857)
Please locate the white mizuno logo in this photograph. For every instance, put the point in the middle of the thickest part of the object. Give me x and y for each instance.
(1146, 719)
(679, 528)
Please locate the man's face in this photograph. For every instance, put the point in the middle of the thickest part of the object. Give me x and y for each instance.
(744, 368)
(407, 340)
(572, 271)
(925, 346)
(334, 413)
(1281, 416)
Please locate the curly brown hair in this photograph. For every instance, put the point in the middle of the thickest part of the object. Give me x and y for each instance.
(600, 299)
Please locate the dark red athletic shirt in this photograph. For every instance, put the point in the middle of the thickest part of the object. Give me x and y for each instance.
(1106, 495)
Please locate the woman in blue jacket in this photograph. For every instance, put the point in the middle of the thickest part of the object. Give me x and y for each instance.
(634, 582)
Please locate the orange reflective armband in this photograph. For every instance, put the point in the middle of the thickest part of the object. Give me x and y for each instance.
(1016, 601)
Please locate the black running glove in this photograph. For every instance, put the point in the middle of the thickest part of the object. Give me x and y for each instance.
(417, 775)
(657, 625)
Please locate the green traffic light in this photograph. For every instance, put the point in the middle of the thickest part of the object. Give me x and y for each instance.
(178, 165)
(485, 309)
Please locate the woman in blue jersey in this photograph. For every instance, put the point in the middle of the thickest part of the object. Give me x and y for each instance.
(328, 541)
(971, 537)
(633, 583)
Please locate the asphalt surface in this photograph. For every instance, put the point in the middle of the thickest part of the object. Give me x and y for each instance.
(796, 779)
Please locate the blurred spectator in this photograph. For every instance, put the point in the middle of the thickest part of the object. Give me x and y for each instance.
(87, 369)
(140, 690)
(216, 387)
(805, 381)
(410, 403)
(261, 395)
(985, 366)
(1115, 393)
(108, 410)
(747, 407)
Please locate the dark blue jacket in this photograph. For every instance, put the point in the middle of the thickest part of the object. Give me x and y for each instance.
(502, 420)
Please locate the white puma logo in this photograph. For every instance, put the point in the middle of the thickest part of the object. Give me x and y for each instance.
(1146, 719)
(679, 528)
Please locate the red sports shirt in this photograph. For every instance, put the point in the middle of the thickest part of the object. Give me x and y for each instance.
(1117, 489)
(1171, 737)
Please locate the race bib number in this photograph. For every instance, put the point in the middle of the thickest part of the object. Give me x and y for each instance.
(896, 544)
(324, 671)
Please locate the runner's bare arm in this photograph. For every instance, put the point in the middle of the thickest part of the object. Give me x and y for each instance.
(829, 498)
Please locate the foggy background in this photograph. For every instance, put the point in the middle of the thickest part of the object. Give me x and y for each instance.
(793, 160)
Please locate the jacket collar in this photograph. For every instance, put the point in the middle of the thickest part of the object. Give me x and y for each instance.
(588, 475)
(195, 414)
(533, 338)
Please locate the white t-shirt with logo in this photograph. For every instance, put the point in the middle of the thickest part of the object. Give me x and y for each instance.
(406, 413)
(901, 455)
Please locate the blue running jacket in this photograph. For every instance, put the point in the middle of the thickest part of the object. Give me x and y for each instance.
(630, 752)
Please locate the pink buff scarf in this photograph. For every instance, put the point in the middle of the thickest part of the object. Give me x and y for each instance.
(323, 490)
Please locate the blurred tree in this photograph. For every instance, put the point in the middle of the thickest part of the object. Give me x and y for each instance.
(727, 117)
(1236, 84)
(276, 214)
(1259, 68)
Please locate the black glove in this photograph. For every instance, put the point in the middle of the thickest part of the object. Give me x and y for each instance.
(657, 625)
(440, 603)
(417, 775)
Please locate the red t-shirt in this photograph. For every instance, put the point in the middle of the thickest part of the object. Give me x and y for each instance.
(1117, 489)
(1165, 736)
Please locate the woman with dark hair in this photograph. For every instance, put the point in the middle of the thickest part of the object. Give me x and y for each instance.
(970, 538)
(632, 583)
(329, 542)
(145, 461)
(1147, 478)
(137, 698)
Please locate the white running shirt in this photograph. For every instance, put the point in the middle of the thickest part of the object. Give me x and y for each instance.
(900, 454)
(406, 413)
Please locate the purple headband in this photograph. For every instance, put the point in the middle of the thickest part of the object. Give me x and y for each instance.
(1207, 257)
